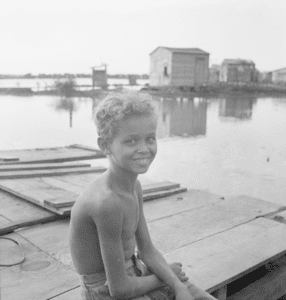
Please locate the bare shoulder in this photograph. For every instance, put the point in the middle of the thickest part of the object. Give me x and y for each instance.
(97, 200)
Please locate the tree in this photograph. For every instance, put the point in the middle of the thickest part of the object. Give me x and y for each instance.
(65, 87)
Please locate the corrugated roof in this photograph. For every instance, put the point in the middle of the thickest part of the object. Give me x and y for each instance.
(183, 50)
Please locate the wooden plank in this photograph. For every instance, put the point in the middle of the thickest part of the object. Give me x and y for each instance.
(84, 147)
(279, 217)
(270, 287)
(38, 278)
(190, 200)
(56, 154)
(217, 260)
(12, 226)
(183, 229)
(15, 209)
(80, 181)
(49, 172)
(43, 183)
(39, 199)
(55, 182)
(60, 202)
(19, 189)
(52, 238)
(160, 194)
(20, 167)
(33, 193)
(63, 211)
(160, 186)
(6, 158)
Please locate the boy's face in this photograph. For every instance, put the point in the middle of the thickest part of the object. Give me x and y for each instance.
(134, 146)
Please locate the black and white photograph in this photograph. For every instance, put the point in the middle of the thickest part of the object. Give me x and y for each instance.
(143, 150)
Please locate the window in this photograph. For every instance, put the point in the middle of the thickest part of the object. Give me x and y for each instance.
(165, 71)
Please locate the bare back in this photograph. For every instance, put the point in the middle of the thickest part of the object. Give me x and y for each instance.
(83, 233)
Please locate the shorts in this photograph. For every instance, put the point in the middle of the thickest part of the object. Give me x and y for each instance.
(94, 286)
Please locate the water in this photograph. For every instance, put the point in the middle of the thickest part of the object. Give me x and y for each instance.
(40, 84)
(233, 146)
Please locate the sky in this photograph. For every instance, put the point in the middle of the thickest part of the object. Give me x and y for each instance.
(72, 36)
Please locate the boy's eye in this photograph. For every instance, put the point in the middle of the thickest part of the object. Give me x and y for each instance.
(151, 139)
(130, 141)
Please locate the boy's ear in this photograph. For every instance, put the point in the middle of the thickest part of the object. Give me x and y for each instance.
(103, 145)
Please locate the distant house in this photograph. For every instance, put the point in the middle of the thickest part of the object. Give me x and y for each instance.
(178, 67)
(237, 71)
(279, 76)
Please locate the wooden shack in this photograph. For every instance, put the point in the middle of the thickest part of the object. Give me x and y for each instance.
(99, 76)
(279, 76)
(237, 71)
(178, 67)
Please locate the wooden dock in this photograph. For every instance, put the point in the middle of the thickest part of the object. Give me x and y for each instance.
(233, 247)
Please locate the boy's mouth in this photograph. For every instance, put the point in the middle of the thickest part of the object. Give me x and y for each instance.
(142, 161)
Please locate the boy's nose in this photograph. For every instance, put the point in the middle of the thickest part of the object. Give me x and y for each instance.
(142, 147)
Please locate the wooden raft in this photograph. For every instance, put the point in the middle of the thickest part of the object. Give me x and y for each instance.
(232, 247)
(50, 155)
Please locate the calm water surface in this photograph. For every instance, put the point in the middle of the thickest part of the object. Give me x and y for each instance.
(233, 146)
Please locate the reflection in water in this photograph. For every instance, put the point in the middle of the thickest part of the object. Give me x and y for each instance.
(66, 104)
(279, 102)
(182, 117)
(238, 108)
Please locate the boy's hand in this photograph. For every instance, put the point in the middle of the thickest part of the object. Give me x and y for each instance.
(177, 269)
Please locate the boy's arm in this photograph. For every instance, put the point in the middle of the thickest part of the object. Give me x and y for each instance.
(153, 259)
(109, 220)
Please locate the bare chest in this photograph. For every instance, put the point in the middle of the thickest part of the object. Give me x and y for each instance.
(130, 218)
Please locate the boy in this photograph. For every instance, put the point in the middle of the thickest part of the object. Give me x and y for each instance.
(107, 221)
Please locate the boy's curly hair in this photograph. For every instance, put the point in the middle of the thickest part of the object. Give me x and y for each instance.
(117, 106)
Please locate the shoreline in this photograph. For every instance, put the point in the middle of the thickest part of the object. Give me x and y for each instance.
(214, 90)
